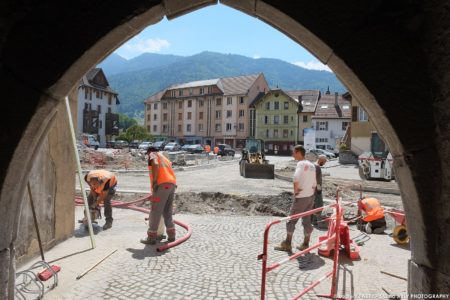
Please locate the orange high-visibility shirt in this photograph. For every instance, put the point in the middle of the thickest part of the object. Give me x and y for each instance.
(166, 174)
(103, 177)
(372, 208)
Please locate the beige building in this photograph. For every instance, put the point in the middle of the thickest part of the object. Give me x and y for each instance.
(206, 112)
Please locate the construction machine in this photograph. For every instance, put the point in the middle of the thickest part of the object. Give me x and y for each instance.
(253, 163)
(376, 164)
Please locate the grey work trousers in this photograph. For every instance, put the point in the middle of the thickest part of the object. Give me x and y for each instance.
(300, 205)
(106, 203)
(162, 205)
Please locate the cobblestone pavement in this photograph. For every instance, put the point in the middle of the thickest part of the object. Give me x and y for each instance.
(217, 262)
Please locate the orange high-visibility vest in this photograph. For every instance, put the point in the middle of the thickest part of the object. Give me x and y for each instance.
(103, 177)
(216, 150)
(372, 208)
(166, 174)
(207, 148)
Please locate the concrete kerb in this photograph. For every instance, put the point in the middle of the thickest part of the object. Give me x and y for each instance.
(355, 188)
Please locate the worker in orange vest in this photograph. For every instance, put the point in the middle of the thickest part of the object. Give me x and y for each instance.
(163, 184)
(207, 148)
(373, 220)
(216, 150)
(103, 187)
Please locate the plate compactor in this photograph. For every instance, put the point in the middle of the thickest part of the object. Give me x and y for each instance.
(253, 163)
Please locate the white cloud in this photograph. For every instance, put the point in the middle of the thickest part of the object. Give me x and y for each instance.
(149, 45)
(312, 65)
(256, 56)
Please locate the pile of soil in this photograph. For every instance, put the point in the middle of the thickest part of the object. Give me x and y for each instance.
(112, 159)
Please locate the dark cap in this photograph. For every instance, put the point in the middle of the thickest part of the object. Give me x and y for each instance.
(152, 149)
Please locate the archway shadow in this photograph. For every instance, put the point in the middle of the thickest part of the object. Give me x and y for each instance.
(81, 232)
(401, 246)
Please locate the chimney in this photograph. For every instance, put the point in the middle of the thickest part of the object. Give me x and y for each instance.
(336, 96)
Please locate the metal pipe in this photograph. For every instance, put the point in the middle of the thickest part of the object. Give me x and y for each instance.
(80, 174)
(96, 264)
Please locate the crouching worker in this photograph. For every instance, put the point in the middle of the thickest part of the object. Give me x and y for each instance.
(103, 187)
(163, 184)
(373, 220)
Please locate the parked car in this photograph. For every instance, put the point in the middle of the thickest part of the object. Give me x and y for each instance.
(120, 144)
(185, 147)
(159, 145)
(90, 141)
(328, 154)
(197, 148)
(226, 150)
(172, 146)
(134, 144)
(144, 145)
(110, 144)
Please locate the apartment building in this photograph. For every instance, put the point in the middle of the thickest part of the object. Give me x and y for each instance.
(97, 107)
(210, 111)
(331, 119)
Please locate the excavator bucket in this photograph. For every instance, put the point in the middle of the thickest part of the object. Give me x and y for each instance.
(263, 171)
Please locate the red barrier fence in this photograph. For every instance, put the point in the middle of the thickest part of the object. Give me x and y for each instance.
(334, 235)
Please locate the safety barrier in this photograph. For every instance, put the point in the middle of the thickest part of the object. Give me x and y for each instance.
(133, 205)
(334, 235)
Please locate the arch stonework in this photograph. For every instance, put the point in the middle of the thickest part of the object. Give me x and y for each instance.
(393, 57)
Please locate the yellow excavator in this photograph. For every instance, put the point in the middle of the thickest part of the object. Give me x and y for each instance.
(253, 163)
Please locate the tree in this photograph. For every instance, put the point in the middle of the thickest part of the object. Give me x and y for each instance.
(126, 122)
(135, 132)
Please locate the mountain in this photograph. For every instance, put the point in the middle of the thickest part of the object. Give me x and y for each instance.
(135, 86)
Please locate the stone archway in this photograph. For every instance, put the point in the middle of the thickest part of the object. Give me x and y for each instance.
(380, 51)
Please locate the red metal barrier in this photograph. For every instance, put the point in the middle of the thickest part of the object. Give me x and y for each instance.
(334, 235)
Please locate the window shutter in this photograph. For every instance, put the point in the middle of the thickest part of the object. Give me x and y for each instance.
(354, 113)
(317, 125)
(326, 126)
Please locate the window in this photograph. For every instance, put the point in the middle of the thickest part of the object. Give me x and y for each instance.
(148, 128)
(165, 128)
(109, 110)
(228, 126)
(100, 124)
(180, 116)
(109, 100)
(189, 103)
(165, 117)
(149, 106)
(285, 133)
(322, 125)
(229, 100)
(191, 91)
(229, 113)
(97, 94)
(218, 127)
(200, 127)
(219, 101)
(155, 106)
(200, 103)
(241, 113)
(148, 117)
(155, 117)
(173, 93)
(99, 109)
(276, 119)
(155, 128)
(344, 125)
(189, 116)
(268, 105)
(188, 127)
(275, 133)
(241, 100)
(180, 104)
(164, 105)
(305, 119)
(85, 93)
(202, 91)
(321, 140)
(241, 126)
(180, 92)
(285, 119)
(276, 105)
(292, 132)
(363, 117)
(267, 133)
(180, 127)
(218, 114)
(266, 120)
(87, 106)
(286, 105)
(200, 115)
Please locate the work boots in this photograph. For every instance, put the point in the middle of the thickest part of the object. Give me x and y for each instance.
(284, 246)
(170, 234)
(305, 244)
(151, 238)
(107, 225)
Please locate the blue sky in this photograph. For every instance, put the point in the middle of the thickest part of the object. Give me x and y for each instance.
(222, 29)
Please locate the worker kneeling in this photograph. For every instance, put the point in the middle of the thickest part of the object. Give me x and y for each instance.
(373, 221)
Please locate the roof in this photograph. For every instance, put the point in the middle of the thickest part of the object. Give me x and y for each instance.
(309, 99)
(90, 80)
(257, 98)
(195, 84)
(261, 95)
(238, 85)
(155, 97)
(326, 108)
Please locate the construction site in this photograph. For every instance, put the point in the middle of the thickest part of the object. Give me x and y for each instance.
(224, 217)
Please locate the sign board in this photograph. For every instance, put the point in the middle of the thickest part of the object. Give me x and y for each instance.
(310, 138)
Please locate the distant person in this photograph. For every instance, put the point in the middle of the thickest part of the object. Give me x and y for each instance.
(373, 220)
(318, 197)
(216, 150)
(103, 187)
(163, 184)
(207, 148)
(303, 200)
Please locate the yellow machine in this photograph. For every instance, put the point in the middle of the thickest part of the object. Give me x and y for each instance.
(253, 163)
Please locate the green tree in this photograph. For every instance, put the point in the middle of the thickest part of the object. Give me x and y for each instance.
(135, 132)
(126, 122)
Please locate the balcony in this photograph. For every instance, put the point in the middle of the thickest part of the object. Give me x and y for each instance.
(90, 121)
(111, 124)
